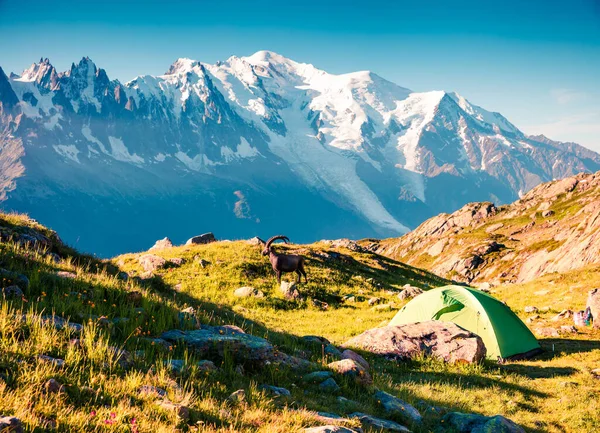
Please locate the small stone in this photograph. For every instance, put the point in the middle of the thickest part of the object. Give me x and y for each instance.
(398, 408)
(10, 424)
(151, 262)
(203, 263)
(177, 261)
(374, 301)
(66, 275)
(333, 351)
(331, 429)
(329, 385)
(547, 332)
(151, 390)
(134, 297)
(275, 391)
(53, 386)
(289, 290)
(247, 292)
(237, 397)
(315, 339)
(206, 366)
(350, 354)
(175, 365)
(378, 423)
(564, 314)
(409, 292)
(384, 307)
(530, 309)
(352, 369)
(568, 329)
(317, 377)
(182, 411)
(50, 360)
(547, 213)
(13, 291)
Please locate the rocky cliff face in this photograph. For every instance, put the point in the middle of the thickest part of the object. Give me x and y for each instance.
(553, 228)
(253, 144)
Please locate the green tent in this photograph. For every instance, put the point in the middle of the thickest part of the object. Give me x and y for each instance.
(503, 333)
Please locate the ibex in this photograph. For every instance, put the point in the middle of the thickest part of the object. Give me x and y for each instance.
(284, 262)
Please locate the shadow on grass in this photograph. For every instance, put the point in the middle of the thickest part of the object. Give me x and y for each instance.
(554, 347)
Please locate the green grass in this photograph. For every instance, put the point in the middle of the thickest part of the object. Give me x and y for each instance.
(555, 393)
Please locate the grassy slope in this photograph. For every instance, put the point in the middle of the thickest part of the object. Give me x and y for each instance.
(555, 393)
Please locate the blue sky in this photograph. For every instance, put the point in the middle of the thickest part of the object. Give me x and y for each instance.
(536, 62)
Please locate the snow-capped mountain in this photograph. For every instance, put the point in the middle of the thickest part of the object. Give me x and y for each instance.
(253, 145)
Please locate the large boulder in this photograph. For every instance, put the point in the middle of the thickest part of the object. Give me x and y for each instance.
(215, 341)
(443, 340)
(205, 238)
(593, 303)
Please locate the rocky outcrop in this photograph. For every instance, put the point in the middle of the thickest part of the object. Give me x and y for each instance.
(443, 340)
(553, 228)
(161, 244)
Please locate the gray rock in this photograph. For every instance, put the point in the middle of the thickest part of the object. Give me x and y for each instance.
(53, 386)
(275, 391)
(13, 291)
(151, 390)
(247, 292)
(14, 278)
(352, 369)
(398, 408)
(329, 385)
(333, 351)
(374, 301)
(151, 262)
(317, 377)
(315, 339)
(50, 360)
(180, 410)
(214, 342)
(409, 292)
(350, 354)
(176, 261)
(289, 290)
(66, 275)
(443, 340)
(369, 421)
(161, 244)
(207, 366)
(332, 429)
(237, 396)
(205, 238)
(473, 423)
(60, 323)
(10, 424)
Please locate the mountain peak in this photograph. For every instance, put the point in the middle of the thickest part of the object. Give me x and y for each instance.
(181, 66)
(265, 56)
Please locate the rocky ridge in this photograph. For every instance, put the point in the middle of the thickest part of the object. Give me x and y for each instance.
(553, 228)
